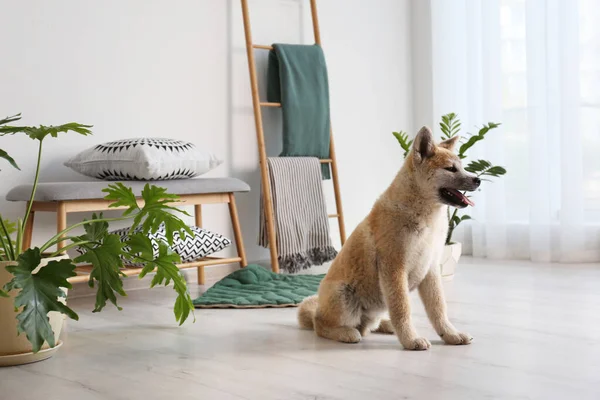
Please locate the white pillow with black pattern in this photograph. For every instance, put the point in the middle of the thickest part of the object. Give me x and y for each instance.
(144, 159)
(201, 244)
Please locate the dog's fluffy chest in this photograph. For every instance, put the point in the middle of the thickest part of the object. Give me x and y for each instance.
(425, 249)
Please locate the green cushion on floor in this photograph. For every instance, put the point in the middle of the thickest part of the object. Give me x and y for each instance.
(256, 287)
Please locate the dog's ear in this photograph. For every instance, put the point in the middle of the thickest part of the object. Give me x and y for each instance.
(450, 144)
(423, 146)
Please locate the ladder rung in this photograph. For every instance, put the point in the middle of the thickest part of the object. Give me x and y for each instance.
(326, 161)
(334, 215)
(262, 46)
(266, 104)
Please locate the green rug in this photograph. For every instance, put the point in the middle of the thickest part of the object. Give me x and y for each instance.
(256, 287)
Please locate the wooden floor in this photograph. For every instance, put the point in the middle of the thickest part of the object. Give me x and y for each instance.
(536, 329)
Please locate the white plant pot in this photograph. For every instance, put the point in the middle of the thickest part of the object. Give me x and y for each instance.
(15, 349)
(450, 256)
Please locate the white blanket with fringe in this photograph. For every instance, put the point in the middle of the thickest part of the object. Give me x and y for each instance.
(301, 220)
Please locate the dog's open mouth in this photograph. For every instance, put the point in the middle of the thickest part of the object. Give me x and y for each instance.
(455, 198)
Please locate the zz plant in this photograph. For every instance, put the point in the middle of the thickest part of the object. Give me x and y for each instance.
(41, 292)
(450, 127)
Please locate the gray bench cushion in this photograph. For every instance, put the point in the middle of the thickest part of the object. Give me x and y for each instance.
(62, 191)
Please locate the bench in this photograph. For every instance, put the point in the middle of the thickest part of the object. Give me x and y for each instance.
(64, 198)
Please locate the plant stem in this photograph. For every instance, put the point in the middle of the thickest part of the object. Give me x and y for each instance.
(11, 254)
(57, 238)
(62, 239)
(450, 229)
(19, 238)
(72, 245)
(35, 183)
(6, 253)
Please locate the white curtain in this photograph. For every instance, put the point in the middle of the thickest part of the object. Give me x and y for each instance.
(534, 66)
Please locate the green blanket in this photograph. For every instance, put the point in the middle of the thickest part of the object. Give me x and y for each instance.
(297, 78)
(256, 287)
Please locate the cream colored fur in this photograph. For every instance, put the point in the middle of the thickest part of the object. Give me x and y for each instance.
(393, 251)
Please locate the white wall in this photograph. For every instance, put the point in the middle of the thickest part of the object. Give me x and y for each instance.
(422, 67)
(178, 69)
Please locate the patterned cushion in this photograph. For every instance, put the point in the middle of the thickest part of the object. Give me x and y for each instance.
(202, 244)
(143, 159)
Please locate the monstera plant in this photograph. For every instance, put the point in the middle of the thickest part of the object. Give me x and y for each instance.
(36, 292)
(450, 126)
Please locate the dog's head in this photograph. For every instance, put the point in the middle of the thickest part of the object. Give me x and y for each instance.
(439, 170)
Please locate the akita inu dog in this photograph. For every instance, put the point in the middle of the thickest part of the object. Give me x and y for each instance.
(394, 250)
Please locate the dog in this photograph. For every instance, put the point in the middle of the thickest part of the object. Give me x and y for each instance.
(393, 251)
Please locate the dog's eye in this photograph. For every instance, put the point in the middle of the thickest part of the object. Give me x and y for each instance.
(451, 169)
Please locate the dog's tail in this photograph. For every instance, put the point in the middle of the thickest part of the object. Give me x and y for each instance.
(307, 311)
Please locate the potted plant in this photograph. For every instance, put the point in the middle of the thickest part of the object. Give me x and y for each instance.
(34, 281)
(450, 127)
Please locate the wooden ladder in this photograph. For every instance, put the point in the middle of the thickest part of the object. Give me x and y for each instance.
(264, 172)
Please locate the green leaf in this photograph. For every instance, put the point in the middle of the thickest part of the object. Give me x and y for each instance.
(3, 293)
(167, 271)
(4, 154)
(11, 130)
(456, 220)
(455, 130)
(39, 294)
(122, 196)
(478, 166)
(476, 138)
(40, 132)
(8, 120)
(450, 126)
(95, 231)
(155, 194)
(140, 246)
(166, 259)
(495, 171)
(105, 258)
(465, 217)
(157, 211)
(485, 168)
(468, 144)
(403, 140)
(9, 226)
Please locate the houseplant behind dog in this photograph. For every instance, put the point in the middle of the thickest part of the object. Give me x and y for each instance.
(394, 250)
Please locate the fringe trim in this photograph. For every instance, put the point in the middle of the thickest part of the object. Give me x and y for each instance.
(299, 261)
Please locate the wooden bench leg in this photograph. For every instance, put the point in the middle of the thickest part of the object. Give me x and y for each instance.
(198, 223)
(61, 222)
(237, 231)
(28, 233)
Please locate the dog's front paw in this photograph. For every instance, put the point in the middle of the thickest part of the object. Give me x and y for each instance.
(456, 338)
(416, 344)
(349, 336)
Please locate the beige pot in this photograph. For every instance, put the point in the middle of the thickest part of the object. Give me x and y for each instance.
(450, 256)
(15, 349)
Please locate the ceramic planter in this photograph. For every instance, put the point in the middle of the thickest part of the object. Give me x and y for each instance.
(16, 349)
(450, 256)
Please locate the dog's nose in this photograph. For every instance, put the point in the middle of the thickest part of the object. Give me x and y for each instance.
(477, 181)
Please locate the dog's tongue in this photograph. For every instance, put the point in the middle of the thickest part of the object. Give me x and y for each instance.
(468, 201)
(463, 198)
